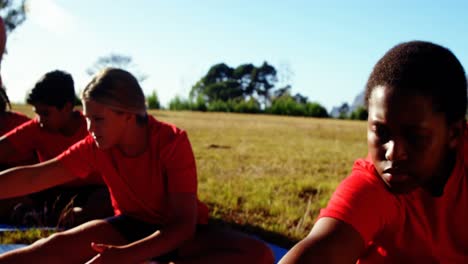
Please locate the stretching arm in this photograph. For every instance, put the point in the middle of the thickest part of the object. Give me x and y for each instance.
(33, 178)
(330, 241)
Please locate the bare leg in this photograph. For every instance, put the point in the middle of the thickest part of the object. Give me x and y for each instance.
(217, 245)
(70, 246)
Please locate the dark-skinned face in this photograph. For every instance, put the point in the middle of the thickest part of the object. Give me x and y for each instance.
(50, 117)
(409, 143)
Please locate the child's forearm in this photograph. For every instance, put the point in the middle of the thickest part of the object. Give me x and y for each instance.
(16, 182)
(32, 178)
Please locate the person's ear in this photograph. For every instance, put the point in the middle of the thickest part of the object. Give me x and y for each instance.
(456, 131)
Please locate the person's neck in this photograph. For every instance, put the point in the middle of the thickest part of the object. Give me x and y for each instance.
(135, 141)
(437, 185)
(71, 126)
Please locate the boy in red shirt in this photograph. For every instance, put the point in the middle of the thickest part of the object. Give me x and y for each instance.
(56, 127)
(407, 202)
(150, 171)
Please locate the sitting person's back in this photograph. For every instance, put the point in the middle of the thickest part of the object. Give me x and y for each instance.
(9, 120)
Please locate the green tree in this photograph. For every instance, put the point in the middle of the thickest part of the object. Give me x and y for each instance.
(117, 61)
(264, 79)
(153, 101)
(217, 84)
(315, 110)
(13, 13)
(286, 105)
(286, 90)
(343, 111)
(241, 83)
(179, 104)
(199, 104)
(359, 114)
(247, 106)
(244, 76)
(220, 106)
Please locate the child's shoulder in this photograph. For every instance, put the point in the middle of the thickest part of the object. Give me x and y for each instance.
(363, 166)
(364, 175)
(165, 131)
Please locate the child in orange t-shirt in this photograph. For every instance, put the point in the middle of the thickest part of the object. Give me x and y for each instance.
(407, 202)
(150, 171)
(56, 127)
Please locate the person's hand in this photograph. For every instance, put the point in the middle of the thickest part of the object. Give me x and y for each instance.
(108, 254)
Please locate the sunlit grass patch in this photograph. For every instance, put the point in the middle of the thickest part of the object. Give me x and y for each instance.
(23, 237)
(270, 173)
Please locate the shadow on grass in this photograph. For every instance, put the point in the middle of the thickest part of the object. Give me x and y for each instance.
(268, 236)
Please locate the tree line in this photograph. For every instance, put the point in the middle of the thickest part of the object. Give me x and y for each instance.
(243, 89)
(246, 89)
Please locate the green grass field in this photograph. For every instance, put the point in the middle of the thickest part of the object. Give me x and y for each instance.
(269, 175)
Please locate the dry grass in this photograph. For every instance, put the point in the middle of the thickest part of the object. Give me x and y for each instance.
(268, 173)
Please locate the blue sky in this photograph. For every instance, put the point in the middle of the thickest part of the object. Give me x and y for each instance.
(324, 49)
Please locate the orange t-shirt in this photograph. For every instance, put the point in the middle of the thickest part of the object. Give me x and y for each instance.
(10, 120)
(139, 185)
(405, 228)
(31, 138)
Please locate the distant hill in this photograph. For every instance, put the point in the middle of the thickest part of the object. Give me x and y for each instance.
(358, 101)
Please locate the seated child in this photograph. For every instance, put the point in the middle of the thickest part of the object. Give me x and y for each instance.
(149, 168)
(407, 202)
(56, 127)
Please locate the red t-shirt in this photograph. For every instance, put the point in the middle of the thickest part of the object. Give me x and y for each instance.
(31, 138)
(139, 185)
(10, 120)
(405, 228)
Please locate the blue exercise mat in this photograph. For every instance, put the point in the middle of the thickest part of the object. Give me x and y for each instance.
(7, 247)
(279, 252)
(4, 227)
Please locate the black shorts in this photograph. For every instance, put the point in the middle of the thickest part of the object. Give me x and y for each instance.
(133, 229)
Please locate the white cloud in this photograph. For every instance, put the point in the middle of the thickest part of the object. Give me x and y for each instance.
(50, 16)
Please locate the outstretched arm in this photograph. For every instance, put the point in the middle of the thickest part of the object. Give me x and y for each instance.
(330, 241)
(32, 178)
